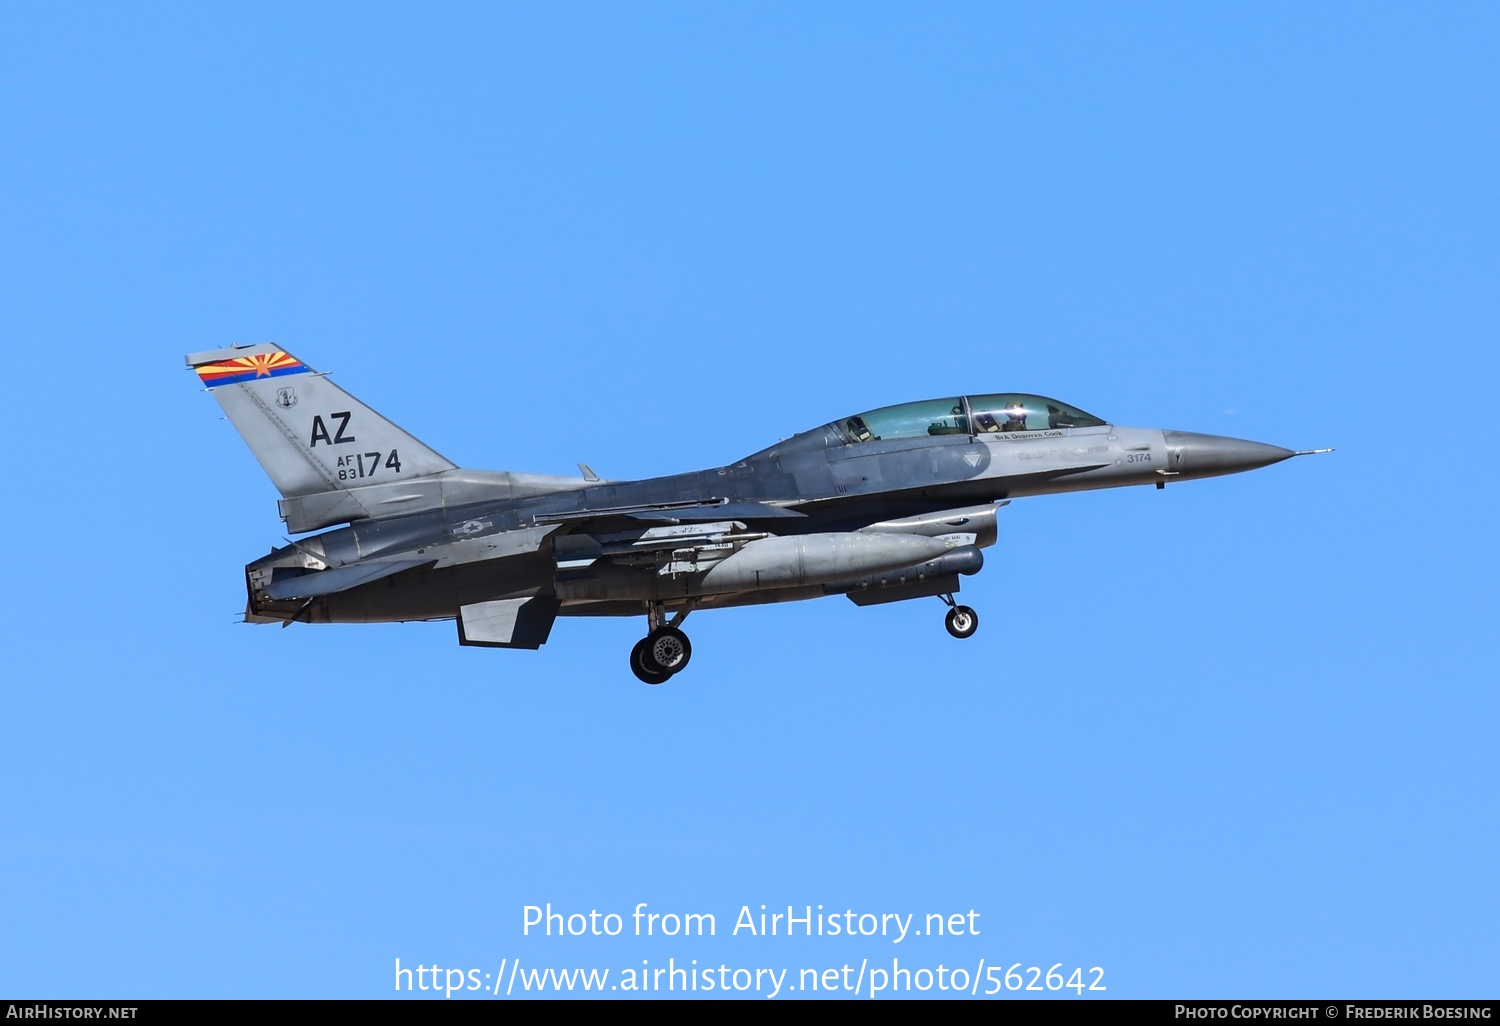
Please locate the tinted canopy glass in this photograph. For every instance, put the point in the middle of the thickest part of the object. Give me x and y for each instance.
(994, 413)
(909, 420)
(990, 413)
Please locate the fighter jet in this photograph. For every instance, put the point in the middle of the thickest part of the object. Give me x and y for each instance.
(883, 506)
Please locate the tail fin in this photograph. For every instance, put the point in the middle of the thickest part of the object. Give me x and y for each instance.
(309, 435)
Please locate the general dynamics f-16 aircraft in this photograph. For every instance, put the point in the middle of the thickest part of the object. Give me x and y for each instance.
(883, 506)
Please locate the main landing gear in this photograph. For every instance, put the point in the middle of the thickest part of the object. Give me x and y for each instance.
(961, 621)
(663, 652)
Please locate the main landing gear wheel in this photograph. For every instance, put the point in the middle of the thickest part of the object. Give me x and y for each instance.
(667, 650)
(962, 622)
(639, 667)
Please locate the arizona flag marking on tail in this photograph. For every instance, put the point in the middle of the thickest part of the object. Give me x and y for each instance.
(304, 434)
(248, 368)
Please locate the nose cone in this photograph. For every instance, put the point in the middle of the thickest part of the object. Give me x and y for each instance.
(1195, 455)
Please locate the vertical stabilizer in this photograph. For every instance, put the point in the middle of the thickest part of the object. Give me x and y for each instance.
(308, 434)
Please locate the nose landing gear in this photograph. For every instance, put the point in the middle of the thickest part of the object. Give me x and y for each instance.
(961, 621)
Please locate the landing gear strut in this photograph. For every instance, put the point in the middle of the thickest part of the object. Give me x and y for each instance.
(961, 621)
(665, 651)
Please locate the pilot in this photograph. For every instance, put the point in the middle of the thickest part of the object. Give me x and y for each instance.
(954, 424)
(1015, 416)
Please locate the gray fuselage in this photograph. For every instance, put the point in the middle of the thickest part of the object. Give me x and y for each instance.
(821, 483)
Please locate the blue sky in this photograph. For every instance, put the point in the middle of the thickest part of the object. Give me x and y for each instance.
(1233, 739)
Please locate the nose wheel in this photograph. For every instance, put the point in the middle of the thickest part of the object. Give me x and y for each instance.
(961, 621)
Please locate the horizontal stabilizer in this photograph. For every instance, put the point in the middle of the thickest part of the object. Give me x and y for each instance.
(328, 582)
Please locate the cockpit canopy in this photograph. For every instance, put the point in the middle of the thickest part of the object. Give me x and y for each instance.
(975, 414)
